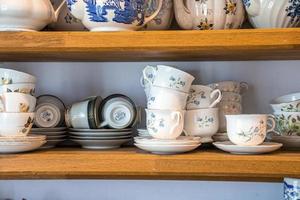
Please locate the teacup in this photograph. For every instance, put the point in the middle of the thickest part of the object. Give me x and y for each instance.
(84, 114)
(249, 130)
(169, 77)
(230, 86)
(231, 96)
(165, 124)
(15, 124)
(288, 123)
(291, 188)
(50, 111)
(17, 102)
(10, 76)
(166, 99)
(26, 88)
(202, 122)
(201, 96)
(117, 111)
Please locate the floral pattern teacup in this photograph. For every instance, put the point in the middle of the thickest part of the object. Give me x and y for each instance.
(17, 102)
(201, 96)
(249, 130)
(202, 122)
(291, 189)
(165, 124)
(288, 123)
(169, 77)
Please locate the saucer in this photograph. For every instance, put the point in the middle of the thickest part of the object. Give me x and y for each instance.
(51, 143)
(18, 147)
(100, 130)
(182, 140)
(100, 134)
(54, 129)
(265, 147)
(167, 149)
(100, 137)
(287, 141)
(101, 144)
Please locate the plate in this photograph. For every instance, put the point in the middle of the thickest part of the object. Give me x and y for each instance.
(100, 137)
(100, 134)
(220, 138)
(167, 149)
(28, 138)
(182, 140)
(100, 130)
(19, 147)
(287, 141)
(51, 143)
(101, 144)
(50, 133)
(55, 129)
(265, 147)
(54, 137)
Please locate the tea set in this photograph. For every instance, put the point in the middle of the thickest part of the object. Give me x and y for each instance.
(17, 106)
(131, 15)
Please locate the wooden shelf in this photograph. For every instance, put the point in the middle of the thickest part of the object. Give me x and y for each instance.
(131, 163)
(243, 44)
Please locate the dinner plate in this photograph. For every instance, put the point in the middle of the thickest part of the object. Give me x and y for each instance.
(167, 149)
(101, 134)
(101, 144)
(265, 147)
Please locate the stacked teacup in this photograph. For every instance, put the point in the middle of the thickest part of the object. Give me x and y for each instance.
(202, 116)
(166, 90)
(17, 105)
(231, 103)
(287, 112)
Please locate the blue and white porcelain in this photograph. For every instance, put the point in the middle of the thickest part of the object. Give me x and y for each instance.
(291, 189)
(112, 15)
(273, 13)
(27, 15)
(169, 77)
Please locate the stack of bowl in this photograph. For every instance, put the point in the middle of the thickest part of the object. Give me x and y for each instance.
(17, 106)
(287, 113)
(49, 120)
(202, 115)
(231, 103)
(166, 90)
(102, 124)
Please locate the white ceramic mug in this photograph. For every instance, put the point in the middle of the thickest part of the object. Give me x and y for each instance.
(166, 99)
(201, 96)
(26, 88)
(165, 124)
(15, 124)
(17, 102)
(249, 130)
(202, 122)
(169, 77)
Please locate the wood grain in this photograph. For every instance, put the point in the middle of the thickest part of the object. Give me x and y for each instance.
(243, 44)
(130, 163)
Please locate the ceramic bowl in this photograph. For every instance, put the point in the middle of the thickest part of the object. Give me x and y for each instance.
(209, 14)
(159, 98)
(273, 14)
(26, 88)
(231, 96)
(202, 122)
(230, 86)
(286, 98)
(10, 76)
(15, 124)
(117, 111)
(17, 102)
(288, 123)
(169, 77)
(293, 106)
(164, 124)
(164, 18)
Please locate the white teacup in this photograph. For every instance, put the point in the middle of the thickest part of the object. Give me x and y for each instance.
(230, 86)
(201, 96)
(10, 76)
(249, 130)
(26, 88)
(15, 124)
(17, 102)
(202, 122)
(169, 77)
(166, 99)
(165, 124)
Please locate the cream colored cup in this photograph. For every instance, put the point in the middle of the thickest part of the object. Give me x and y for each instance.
(17, 102)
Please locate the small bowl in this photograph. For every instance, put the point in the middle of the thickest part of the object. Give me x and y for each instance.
(10, 76)
(288, 123)
(15, 124)
(286, 98)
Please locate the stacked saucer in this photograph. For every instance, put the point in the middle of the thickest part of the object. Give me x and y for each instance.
(181, 144)
(143, 133)
(100, 138)
(53, 136)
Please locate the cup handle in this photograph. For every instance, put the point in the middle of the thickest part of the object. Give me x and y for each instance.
(151, 69)
(215, 93)
(177, 116)
(244, 86)
(147, 19)
(105, 123)
(185, 132)
(271, 118)
(57, 11)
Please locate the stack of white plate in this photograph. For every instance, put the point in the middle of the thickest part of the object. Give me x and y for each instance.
(53, 136)
(181, 144)
(143, 132)
(100, 138)
(21, 143)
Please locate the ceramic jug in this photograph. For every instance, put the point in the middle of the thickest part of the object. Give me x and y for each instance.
(112, 15)
(273, 13)
(209, 14)
(27, 15)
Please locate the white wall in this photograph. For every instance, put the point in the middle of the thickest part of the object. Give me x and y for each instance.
(74, 81)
